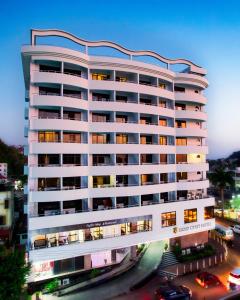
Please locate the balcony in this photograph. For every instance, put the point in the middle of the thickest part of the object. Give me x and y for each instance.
(85, 235)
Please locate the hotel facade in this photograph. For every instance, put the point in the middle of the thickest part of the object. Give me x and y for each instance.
(116, 153)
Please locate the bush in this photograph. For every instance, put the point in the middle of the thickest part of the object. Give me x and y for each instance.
(94, 273)
(207, 251)
(51, 286)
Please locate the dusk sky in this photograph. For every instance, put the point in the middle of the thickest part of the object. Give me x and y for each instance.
(206, 32)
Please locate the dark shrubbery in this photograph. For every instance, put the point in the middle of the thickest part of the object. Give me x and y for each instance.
(195, 254)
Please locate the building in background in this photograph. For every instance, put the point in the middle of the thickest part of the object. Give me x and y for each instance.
(3, 173)
(116, 154)
(6, 214)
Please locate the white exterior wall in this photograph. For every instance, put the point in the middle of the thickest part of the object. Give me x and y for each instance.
(196, 151)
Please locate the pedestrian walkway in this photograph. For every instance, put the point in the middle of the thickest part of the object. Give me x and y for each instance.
(122, 284)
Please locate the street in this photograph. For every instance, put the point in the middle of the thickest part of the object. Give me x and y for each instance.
(103, 291)
(199, 293)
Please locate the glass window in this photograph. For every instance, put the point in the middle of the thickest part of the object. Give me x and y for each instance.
(208, 212)
(97, 76)
(48, 136)
(99, 138)
(190, 215)
(169, 219)
(162, 122)
(181, 141)
(121, 139)
(163, 140)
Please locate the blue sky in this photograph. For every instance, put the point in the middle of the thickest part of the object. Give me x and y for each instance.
(206, 32)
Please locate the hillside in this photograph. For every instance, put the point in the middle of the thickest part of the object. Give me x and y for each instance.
(14, 158)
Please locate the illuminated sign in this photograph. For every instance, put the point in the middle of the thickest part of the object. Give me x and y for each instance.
(191, 227)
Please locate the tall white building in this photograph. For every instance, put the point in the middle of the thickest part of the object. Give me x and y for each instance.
(116, 153)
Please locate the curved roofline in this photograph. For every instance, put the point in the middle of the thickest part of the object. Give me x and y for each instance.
(60, 33)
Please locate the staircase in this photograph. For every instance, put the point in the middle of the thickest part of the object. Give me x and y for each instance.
(168, 259)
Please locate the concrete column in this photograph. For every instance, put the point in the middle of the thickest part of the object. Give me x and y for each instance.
(87, 262)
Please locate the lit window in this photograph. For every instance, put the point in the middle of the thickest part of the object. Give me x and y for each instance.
(97, 76)
(190, 215)
(208, 212)
(169, 219)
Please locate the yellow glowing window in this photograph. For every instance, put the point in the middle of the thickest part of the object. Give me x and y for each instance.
(162, 86)
(190, 215)
(121, 79)
(48, 136)
(162, 122)
(97, 76)
(169, 219)
(163, 140)
(181, 141)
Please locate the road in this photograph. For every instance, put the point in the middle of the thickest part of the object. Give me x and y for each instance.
(147, 291)
(199, 293)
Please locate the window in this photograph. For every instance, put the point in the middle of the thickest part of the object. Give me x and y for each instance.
(48, 159)
(48, 114)
(101, 180)
(6, 203)
(100, 97)
(163, 103)
(48, 137)
(163, 159)
(121, 139)
(122, 159)
(180, 124)
(98, 76)
(99, 118)
(169, 219)
(163, 140)
(72, 159)
(162, 122)
(121, 79)
(121, 98)
(99, 159)
(162, 85)
(179, 89)
(179, 106)
(72, 137)
(2, 220)
(121, 119)
(181, 141)
(181, 158)
(99, 138)
(208, 212)
(190, 215)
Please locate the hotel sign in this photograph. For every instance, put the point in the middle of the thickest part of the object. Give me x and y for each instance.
(192, 227)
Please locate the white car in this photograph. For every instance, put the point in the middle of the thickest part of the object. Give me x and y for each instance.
(234, 279)
(236, 229)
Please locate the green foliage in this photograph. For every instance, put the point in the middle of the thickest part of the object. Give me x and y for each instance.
(222, 177)
(13, 273)
(177, 250)
(51, 286)
(15, 160)
(140, 248)
(207, 251)
(94, 273)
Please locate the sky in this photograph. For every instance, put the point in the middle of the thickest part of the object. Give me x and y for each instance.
(206, 32)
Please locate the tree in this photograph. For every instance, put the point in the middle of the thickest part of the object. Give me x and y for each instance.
(13, 273)
(221, 177)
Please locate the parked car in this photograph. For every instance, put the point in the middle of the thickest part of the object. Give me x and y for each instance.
(173, 292)
(234, 279)
(236, 229)
(223, 232)
(206, 279)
